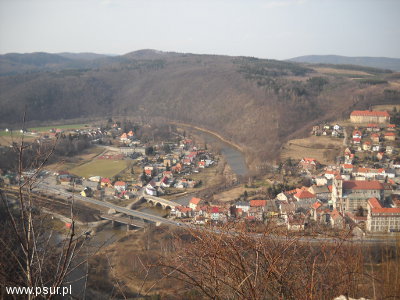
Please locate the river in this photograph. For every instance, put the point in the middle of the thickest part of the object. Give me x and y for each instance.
(234, 158)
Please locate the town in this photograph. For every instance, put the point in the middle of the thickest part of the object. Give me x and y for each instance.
(358, 192)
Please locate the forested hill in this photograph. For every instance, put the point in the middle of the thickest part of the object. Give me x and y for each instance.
(256, 103)
(373, 62)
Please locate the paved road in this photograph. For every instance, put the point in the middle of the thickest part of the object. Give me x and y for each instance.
(55, 190)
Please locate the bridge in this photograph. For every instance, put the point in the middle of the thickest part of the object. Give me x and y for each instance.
(157, 201)
(124, 220)
(130, 212)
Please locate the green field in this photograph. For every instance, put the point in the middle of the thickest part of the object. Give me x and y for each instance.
(100, 167)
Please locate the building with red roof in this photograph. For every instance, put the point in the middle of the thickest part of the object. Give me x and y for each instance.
(382, 219)
(391, 127)
(194, 202)
(120, 186)
(369, 116)
(309, 163)
(258, 203)
(390, 136)
(105, 182)
(350, 195)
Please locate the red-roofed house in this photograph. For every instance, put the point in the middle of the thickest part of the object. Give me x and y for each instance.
(304, 195)
(105, 182)
(373, 127)
(390, 136)
(357, 134)
(347, 168)
(375, 138)
(382, 219)
(258, 203)
(368, 116)
(120, 186)
(309, 163)
(124, 137)
(194, 202)
(391, 127)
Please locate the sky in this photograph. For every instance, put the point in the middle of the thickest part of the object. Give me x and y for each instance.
(277, 29)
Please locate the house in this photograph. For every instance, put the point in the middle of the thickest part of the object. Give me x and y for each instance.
(321, 180)
(194, 203)
(347, 168)
(382, 219)
(391, 127)
(369, 116)
(304, 195)
(183, 212)
(124, 138)
(375, 138)
(356, 141)
(215, 213)
(120, 186)
(390, 136)
(366, 146)
(309, 163)
(336, 219)
(376, 148)
(372, 127)
(243, 205)
(105, 182)
(357, 134)
(151, 190)
(258, 204)
(314, 210)
(321, 192)
(303, 198)
(296, 223)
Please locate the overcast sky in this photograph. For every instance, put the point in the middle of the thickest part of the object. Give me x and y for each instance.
(277, 29)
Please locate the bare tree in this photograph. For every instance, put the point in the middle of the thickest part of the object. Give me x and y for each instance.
(28, 257)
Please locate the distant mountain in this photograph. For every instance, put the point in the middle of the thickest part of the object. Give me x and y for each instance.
(82, 56)
(374, 62)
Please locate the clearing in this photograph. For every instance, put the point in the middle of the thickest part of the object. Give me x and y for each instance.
(321, 148)
(100, 167)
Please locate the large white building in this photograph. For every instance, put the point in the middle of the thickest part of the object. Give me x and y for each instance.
(382, 219)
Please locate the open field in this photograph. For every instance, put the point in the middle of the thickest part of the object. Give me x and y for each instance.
(47, 128)
(77, 160)
(313, 146)
(387, 107)
(100, 167)
(6, 140)
(341, 71)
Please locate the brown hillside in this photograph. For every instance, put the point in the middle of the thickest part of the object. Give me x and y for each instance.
(258, 104)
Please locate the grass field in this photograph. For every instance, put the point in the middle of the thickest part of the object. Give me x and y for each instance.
(100, 167)
(313, 146)
(387, 107)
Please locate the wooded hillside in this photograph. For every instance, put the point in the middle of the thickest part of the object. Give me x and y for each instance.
(256, 103)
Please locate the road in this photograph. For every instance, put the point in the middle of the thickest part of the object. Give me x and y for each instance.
(46, 188)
